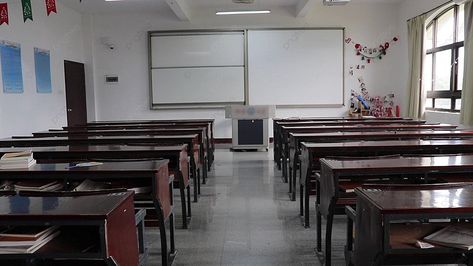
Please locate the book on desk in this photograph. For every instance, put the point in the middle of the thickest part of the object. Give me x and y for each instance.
(14, 160)
(26, 239)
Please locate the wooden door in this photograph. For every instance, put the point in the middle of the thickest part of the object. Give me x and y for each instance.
(75, 93)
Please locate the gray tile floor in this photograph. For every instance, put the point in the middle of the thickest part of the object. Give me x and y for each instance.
(244, 217)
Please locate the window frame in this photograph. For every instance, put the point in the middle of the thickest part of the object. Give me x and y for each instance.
(453, 93)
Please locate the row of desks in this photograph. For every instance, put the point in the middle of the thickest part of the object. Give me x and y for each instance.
(335, 179)
(131, 157)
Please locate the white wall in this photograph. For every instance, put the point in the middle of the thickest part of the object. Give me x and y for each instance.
(61, 34)
(370, 24)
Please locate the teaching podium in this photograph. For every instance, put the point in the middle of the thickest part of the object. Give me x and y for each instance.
(250, 126)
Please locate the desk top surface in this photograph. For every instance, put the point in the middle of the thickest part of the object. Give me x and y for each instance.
(172, 121)
(365, 126)
(351, 122)
(407, 164)
(106, 167)
(384, 133)
(147, 137)
(50, 207)
(350, 118)
(121, 130)
(422, 199)
(99, 148)
(389, 144)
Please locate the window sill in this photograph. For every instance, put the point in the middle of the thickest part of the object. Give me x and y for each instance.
(442, 117)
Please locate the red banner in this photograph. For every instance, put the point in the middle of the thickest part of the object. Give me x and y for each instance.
(51, 6)
(3, 13)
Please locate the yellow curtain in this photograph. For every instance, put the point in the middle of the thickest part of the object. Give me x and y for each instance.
(466, 117)
(416, 100)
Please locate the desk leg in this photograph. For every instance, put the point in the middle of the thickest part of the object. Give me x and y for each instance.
(306, 203)
(294, 183)
(318, 217)
(198, 180)
(301, 199)
(171, 236)
(205, 172)
(328, 237)
(182, 193)
(284, 168)
(165, 256)
(294, 178)
(194, 177)
(189, 209)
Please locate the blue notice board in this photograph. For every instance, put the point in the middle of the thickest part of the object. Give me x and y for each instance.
(11, 67)
(42, 64)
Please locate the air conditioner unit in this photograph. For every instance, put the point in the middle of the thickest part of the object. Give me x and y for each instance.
(336, 2)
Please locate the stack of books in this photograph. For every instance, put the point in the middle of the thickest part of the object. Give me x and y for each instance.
(455, 236)
(38, 185)
(26, 239)
(16, 160)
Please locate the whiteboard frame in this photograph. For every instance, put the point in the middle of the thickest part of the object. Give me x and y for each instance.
(209, 105)
(199, 105)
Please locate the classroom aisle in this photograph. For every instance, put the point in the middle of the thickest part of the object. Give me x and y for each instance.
(244, 217)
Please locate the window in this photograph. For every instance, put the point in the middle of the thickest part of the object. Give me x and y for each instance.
(443, 64)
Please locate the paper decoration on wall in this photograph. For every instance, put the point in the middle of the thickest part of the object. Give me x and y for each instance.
(42, 70)
(27, 10)
(369, 54)
(50, 6)
(375, 106)
(10, 55)
(3, 13)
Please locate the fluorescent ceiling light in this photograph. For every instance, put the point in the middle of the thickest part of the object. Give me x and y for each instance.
(243, 12)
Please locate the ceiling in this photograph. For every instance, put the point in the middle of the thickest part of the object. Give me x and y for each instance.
(101, 6)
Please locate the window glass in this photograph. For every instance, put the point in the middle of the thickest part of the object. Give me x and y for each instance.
(429, 37)
(461, 65)
(445, 26)
(443, 103)
(458, 104)
(428, 73)
(443, 65)
(461, 24)
(429, 103)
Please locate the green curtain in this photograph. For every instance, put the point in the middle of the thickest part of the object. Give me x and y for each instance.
(416, 99)
(466, 117)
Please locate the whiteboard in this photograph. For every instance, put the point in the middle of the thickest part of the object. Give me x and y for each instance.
(198, 85)
(296, 67)
(197, 68)
(198, 50)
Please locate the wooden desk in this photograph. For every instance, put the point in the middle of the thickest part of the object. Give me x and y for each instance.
(209, 123)
(422, 169)
(297, 138)
(382, 238)
(286, 130)
(204, 151)
(191, 141)
(177, 156)
(313, 152)
(278, 122)
(204, 141)
(119, 174)
(105, 230)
